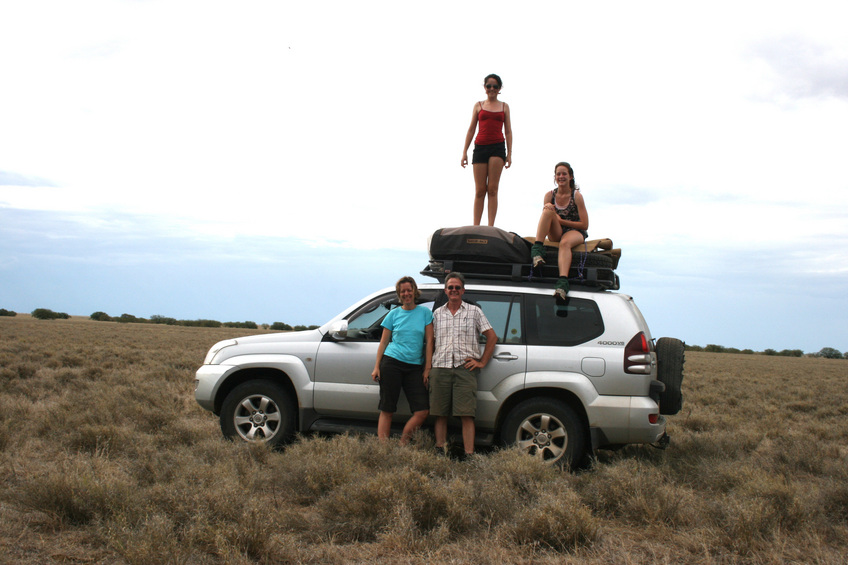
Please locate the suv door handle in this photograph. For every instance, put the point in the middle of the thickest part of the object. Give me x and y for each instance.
(506, 356)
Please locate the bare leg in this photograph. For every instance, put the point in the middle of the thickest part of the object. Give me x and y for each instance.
(441, 430)
(384, 425)
(496, 165)
(549, 226)
(481, 171)
(568, 240)
(415, 422)
(468, 433)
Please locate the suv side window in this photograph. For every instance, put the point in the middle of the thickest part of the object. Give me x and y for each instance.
(504, 313)
(364, 324)
(579, 322)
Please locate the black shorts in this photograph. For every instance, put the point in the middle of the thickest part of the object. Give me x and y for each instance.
(483, 152)
(584, 232)
(396, 375)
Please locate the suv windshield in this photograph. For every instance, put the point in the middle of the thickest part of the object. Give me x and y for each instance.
(364, 324)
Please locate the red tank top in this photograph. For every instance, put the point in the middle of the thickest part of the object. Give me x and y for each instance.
(490, 126)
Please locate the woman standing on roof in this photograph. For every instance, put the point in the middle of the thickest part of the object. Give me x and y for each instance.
(492, 147)
(564, 219)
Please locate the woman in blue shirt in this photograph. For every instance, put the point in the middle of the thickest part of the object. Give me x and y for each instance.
(401, 361)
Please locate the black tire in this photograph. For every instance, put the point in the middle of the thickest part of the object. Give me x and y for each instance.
(546, 429)
(591, 260)
(598, 260)
(670, 360)
(601, 264)
(259, 411)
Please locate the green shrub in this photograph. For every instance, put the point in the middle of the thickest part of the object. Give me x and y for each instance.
(129, 319)
(4, 312)
(830, 353)
(101, 317)
(201, 323)
(47, 314)
(247, 325)
(281, 326)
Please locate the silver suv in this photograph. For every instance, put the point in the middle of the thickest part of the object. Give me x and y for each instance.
(561, 383)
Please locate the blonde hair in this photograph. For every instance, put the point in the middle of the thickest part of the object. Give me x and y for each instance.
(415, 292)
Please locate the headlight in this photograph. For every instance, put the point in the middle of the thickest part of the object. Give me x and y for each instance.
(216, 348)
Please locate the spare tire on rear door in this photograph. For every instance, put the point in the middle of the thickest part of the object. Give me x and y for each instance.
(670, 359)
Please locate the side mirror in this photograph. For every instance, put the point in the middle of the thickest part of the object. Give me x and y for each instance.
(338, 330)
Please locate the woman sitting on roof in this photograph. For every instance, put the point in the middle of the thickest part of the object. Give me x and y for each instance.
(564, 219)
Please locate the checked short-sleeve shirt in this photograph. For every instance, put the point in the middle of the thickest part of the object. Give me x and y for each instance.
(457, 334)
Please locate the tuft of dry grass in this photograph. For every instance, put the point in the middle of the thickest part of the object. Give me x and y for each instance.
(105, 457)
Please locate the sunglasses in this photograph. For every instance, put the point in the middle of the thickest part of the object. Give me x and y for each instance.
(454, 287)
(492, 86)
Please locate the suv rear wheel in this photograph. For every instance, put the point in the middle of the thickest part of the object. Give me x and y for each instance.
(258, 411)
(546, 429)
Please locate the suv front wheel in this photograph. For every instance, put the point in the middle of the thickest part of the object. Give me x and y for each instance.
(259, 411)
(546, 429)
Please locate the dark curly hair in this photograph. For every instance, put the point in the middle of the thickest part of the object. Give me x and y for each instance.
(496, 77)
(570, 171)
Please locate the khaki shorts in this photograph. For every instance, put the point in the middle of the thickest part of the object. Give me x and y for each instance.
(453, 392)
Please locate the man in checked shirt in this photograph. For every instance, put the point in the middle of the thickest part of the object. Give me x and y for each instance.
(456, 361)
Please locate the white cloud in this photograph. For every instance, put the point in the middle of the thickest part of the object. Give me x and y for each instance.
(802, 67)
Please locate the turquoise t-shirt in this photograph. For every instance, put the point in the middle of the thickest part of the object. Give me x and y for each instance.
(407, 327)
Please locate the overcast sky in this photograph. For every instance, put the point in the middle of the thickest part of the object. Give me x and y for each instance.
(275, 161)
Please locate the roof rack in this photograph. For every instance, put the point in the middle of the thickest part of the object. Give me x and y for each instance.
(599, 277)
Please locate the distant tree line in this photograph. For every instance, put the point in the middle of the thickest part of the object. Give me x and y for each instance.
(827, 352)
(157, 319)
(47, 314)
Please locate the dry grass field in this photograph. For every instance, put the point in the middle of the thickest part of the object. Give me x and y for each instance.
(106, 458)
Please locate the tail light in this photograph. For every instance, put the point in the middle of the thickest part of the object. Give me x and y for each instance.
(637, 355)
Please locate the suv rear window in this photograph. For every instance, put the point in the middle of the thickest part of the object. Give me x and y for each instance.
(579, 322)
